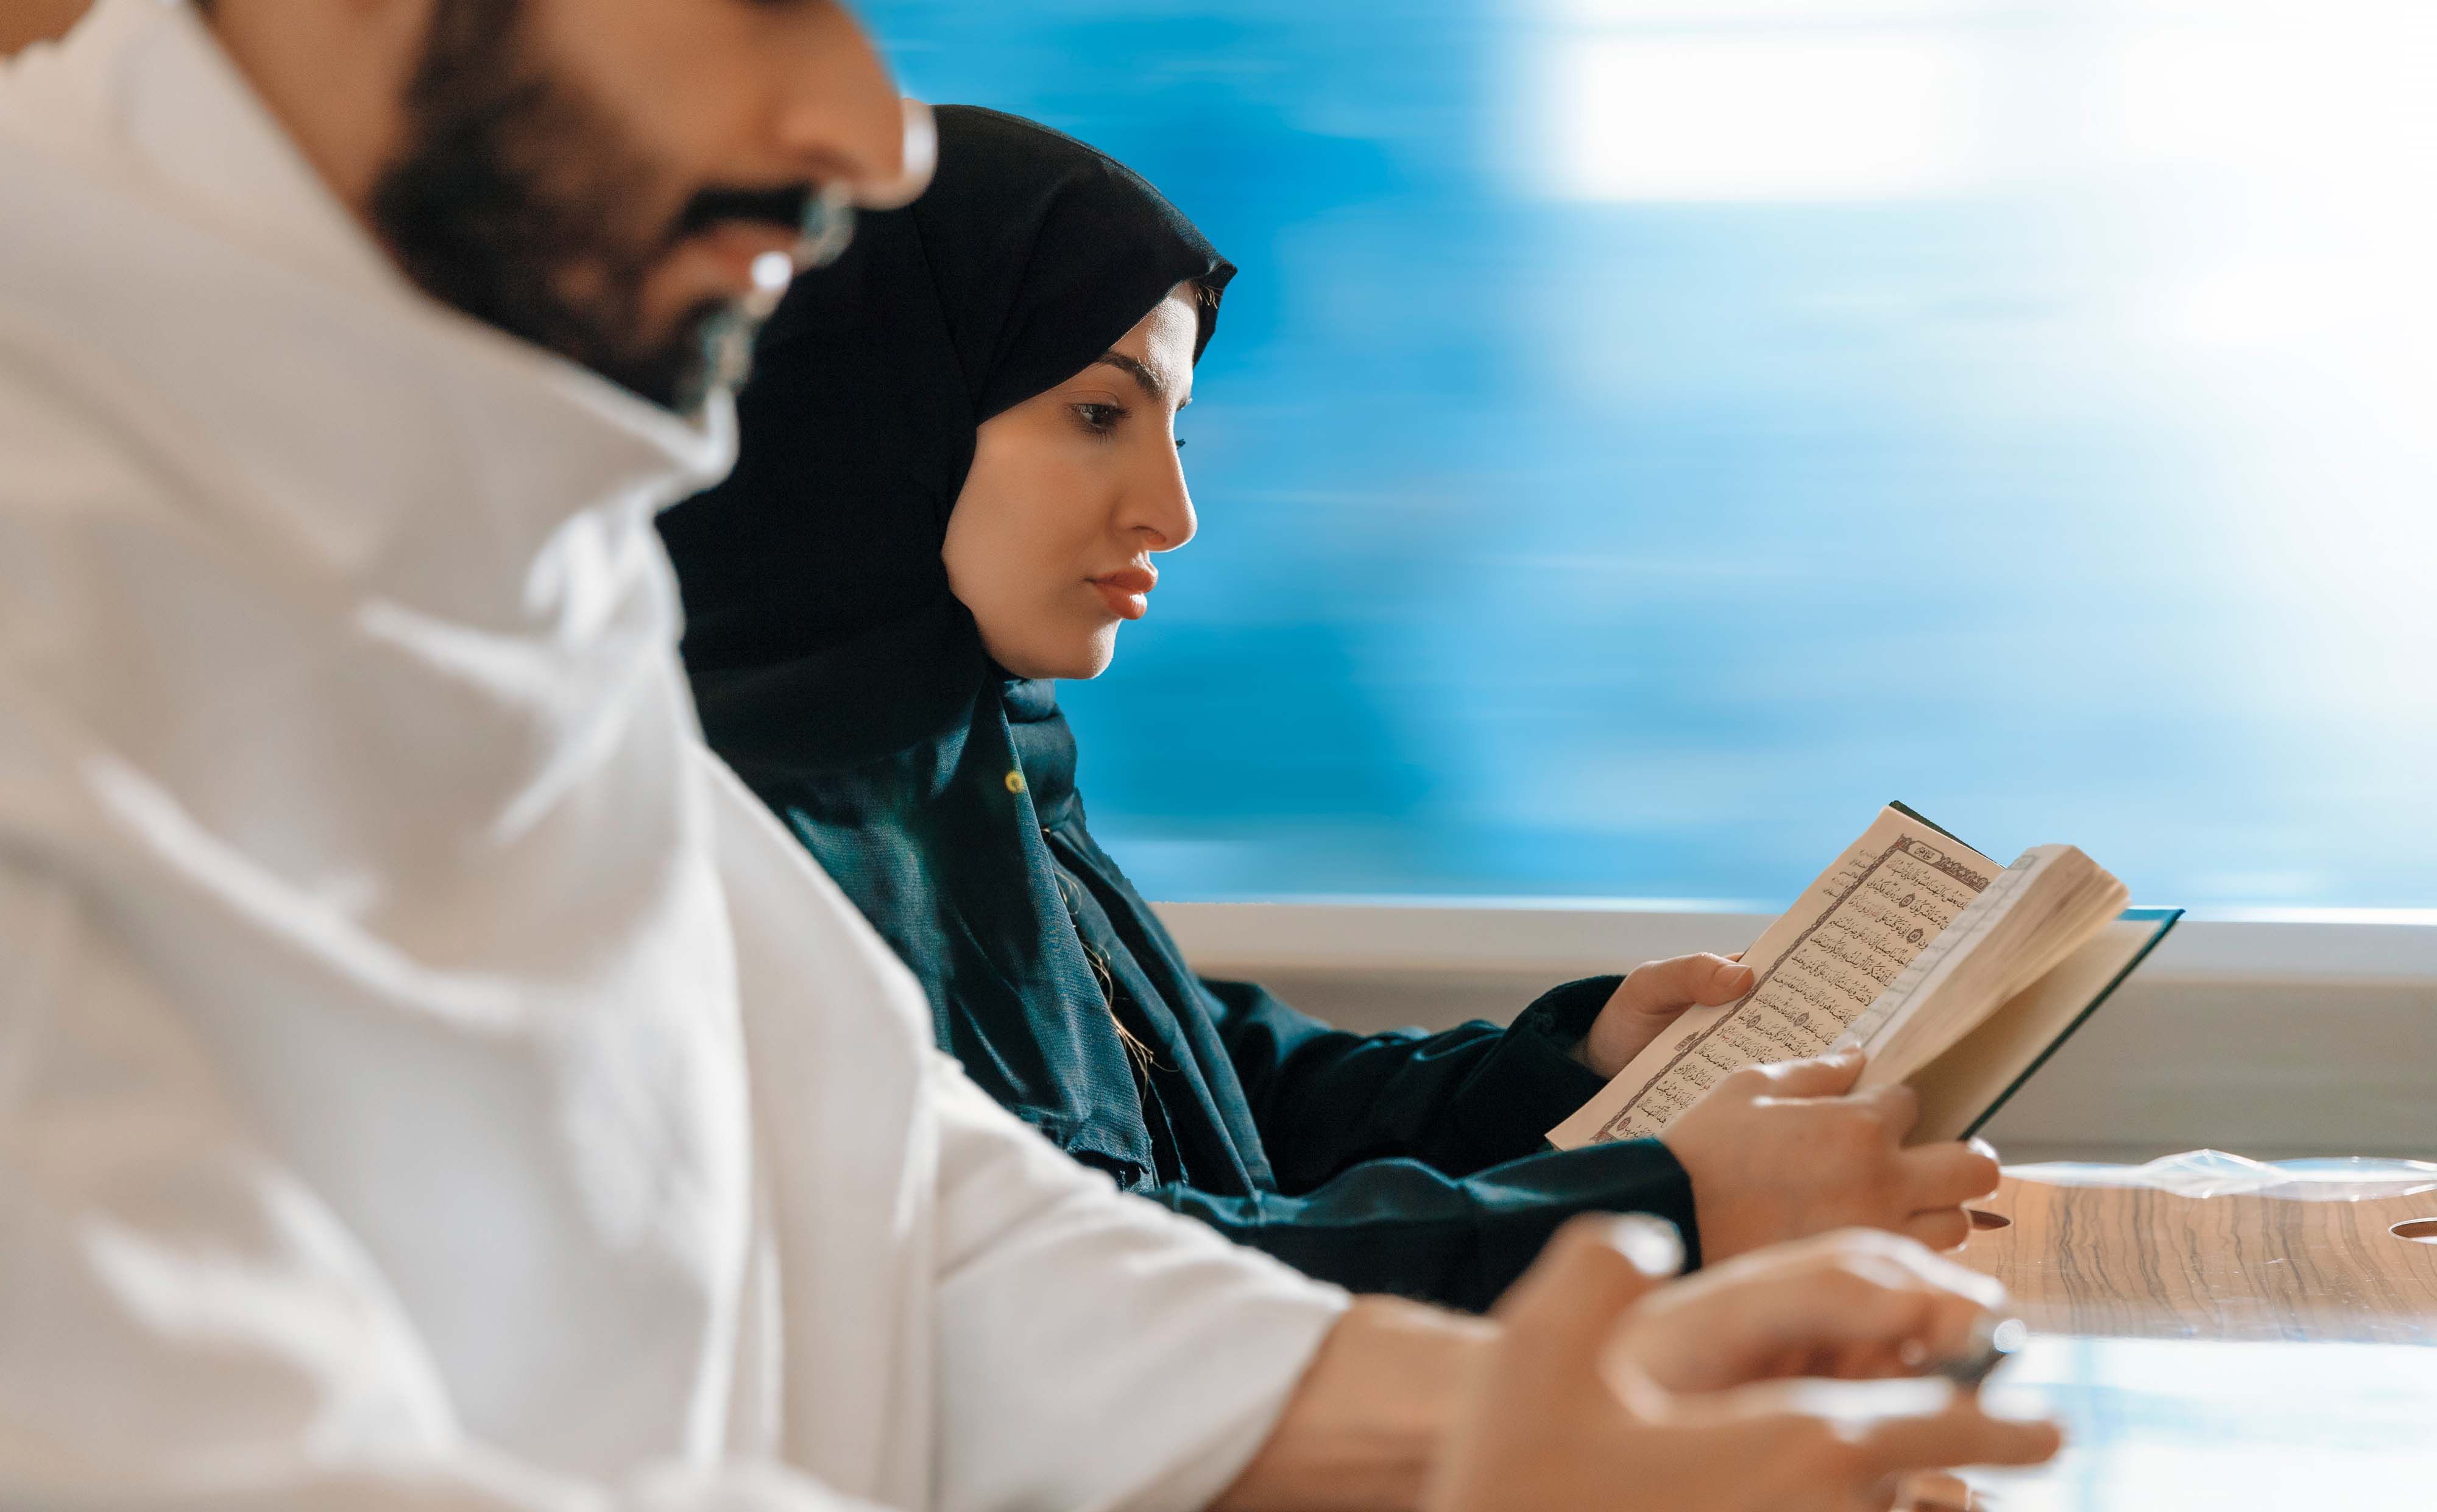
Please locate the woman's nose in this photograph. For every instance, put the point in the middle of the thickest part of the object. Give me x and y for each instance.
(1163, 515)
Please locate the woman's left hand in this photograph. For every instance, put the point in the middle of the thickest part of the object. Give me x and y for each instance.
(1653, 996)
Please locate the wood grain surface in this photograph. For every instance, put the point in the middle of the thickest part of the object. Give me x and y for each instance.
(2226, 1354)
(2133, 1263)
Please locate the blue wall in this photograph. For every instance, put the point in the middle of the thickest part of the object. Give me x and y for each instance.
(1567, 537)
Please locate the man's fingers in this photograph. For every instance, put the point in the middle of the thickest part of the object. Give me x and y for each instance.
(1901, 1270)
(1947, 1175)
(1565, 1309)
(1834, 1462)
(1963, 1434)
(1826, 1075)
(1936, 1491)
(1846, 1294)
(1668, 987)
(1711, 1338)
(1948, 1228)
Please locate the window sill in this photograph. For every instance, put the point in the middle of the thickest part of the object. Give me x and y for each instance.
(2271, 1034)
(1563, 935)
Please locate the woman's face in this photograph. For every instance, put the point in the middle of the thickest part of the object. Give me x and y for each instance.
(1071, 494)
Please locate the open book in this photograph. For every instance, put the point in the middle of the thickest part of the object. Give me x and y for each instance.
(1957, 975)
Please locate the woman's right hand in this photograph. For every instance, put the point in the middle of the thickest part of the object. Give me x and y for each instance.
(1649, 1001)
(1784, 1151)
(1606, 1391)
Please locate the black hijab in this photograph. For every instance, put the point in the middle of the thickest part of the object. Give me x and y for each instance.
(819, 555)
(838, 675)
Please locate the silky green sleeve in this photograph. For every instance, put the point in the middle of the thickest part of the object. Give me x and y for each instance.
(1399, 1226)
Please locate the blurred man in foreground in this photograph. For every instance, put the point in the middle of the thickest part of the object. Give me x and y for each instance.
(429, 1081)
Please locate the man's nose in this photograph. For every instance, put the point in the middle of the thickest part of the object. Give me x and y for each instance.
(842, 116)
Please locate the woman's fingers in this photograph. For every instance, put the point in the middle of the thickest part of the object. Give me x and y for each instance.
(1949, 1228)
(1670, 986)
(1937, 1180)
(1897, 1107)
(1653, 998)
(1936, 1176)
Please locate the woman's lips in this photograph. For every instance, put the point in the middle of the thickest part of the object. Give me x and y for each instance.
(1126, 593)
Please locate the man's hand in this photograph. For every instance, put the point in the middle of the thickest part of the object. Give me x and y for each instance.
(1781, 1152)
(1653, 996)
(1571, 1408)
(1857, 1304)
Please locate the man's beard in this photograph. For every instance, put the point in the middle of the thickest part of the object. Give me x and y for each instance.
(515, 199)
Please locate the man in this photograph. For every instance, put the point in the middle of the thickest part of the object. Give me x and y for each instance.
(425, 1080)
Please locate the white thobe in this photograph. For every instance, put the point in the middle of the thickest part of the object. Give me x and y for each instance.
(427, 1078)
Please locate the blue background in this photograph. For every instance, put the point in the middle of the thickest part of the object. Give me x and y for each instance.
(1590, 539)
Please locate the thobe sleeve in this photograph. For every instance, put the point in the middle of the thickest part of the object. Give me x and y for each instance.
(1095, 1351)
(1460, 1101)
(184, 1324)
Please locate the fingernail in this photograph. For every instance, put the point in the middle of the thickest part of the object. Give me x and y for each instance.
(1985, 1148)
(1729, 971)
(1654, 1246)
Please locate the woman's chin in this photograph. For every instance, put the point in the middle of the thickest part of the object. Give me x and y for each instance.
(1095, 655)
(1076, 660)
(1089, 661)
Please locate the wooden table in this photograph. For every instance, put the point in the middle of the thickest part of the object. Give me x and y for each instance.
(2131, 1263)
(2221, 1354)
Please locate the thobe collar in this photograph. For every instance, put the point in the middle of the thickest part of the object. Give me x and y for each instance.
(345, 689)
(416, 512)
(176, 118)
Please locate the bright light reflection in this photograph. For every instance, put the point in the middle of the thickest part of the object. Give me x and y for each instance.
(1759, 118)
(2156, 1423)
(2256, 183)
(772, 271)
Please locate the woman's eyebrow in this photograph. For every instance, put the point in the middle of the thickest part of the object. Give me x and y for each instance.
(1143, 372)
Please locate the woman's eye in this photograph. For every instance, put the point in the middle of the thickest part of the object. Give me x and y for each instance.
(1099, 419)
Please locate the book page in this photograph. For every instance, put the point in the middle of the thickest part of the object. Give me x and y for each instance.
(1821, 966)
(1935, 965)
(2039, 911)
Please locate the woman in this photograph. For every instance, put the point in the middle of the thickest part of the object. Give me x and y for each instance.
(957, 463)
